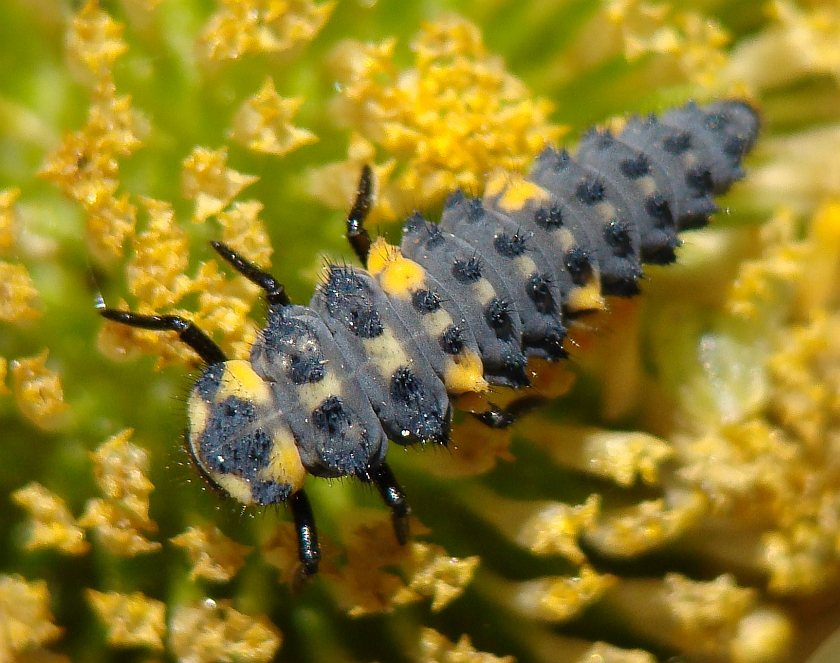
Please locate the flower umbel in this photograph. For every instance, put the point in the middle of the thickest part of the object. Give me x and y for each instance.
(678, 495)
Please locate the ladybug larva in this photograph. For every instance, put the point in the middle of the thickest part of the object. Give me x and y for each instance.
(458, 307)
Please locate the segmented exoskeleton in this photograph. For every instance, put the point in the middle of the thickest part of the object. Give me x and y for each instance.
(458, 307)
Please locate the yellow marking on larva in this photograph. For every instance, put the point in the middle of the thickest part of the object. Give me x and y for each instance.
(284, 464)
(647, 185)
(240, 381)
(385, 353)
(483, 291)
(436, 322)
(237, 487)
(526, 266)
(198, 413)
(563, 238)
(380, 255)
(312, 394)
(606, 211)
(464, 373)
(514, 191)
(587, 297)
(402, 277)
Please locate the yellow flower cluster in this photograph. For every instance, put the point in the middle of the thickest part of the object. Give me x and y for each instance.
(86, 168)
(26, 618)
(130, 620)
(436, 648)
(37, 389)
(18, 296)
(121, 519)
(214, 556)
(376, 574)
(441, 125)
(241, 27)
(86, 165)
(214, 631)
(52, 525)
(735, 459)
(693, 41)
(263, 123)
(38, 392)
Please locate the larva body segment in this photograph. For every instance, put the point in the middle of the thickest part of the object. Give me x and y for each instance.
(459, 305)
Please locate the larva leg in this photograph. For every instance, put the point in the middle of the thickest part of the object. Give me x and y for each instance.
(187, 331)
(394, 497)
(275, 293)
(497, 417)
(357, 234)
(309, 552)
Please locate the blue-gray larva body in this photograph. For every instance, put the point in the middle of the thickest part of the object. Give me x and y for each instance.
(457, 307)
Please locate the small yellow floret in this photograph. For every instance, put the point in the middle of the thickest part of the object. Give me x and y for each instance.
(263, 123)
(38, 392)
(208, 181)
(121, 518)
(436, 648)
(19, 298)
(562, 598)
(208, 631)
(434, 573)
(244, 231)
(51, 523)
(637, 529)
(214, 556)
(436, 125)
(8, 198)
(130, 620)
(155, 273)
(94, 42)
(555, 528)
(240, 27)
(25, 616)
(693, 41)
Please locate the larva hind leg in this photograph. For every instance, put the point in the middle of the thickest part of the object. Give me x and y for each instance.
(394, 498)
(498, 417)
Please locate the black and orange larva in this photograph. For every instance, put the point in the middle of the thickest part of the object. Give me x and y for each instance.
(458, 306)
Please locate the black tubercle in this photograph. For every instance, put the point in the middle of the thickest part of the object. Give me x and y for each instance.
(510, 246)
(467, 271)
(549, 217)
(425, 301)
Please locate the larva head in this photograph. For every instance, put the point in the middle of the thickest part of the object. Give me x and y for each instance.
(240, 443)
